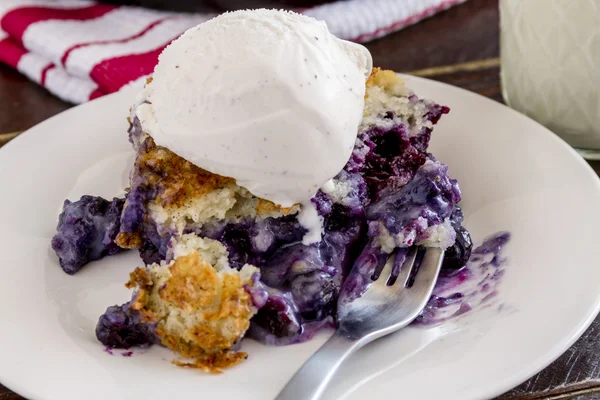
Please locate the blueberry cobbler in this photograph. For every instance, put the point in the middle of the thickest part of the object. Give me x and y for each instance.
(221, 262)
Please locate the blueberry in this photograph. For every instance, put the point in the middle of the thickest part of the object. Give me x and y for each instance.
(122, 327)
(323, 203)
(86, 231)
(279, 318)
(457, 216)
(458, 254)
(149, 253)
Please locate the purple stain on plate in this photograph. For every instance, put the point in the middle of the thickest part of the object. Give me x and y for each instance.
(489, 296)
(472, 287)
(127, 354)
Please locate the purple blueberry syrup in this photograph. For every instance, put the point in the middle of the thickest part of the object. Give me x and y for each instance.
(475, 284)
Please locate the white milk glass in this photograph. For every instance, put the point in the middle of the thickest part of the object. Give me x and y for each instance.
(550, 66)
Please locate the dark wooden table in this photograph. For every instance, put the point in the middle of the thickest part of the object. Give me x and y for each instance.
(460, 47)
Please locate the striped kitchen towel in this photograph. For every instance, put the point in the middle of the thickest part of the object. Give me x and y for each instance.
(80, 49)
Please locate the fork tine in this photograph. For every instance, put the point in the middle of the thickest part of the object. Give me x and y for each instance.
(407, 266)
(429, 268)
(386, 272)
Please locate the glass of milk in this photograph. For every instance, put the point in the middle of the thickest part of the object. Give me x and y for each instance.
(550, 66)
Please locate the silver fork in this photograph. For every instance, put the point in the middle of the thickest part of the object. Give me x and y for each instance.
(381, 310)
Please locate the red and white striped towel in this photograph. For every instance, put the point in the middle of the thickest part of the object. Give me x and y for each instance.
(81, 49)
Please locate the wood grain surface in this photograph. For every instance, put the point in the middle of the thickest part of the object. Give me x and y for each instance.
(23, 103)
(459, 47)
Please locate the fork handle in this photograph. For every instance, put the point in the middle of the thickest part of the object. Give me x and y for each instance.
(312, 378)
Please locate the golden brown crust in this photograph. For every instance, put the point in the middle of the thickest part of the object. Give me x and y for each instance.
(371, 79)
(266, 207)
(175, 178)
(194, 287)
(139, 278)
(193, 283)
(129, 240)
(385, 79)
(215, 363)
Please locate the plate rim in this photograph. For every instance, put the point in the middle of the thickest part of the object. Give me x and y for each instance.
(496, 387)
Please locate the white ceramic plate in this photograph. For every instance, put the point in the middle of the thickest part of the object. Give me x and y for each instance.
(515, 176)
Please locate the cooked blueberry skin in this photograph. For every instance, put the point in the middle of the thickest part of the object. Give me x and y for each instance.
(121, 327)
(458, 254)
(86, 231)
(278, 321)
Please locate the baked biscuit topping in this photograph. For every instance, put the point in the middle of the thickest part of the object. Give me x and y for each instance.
(200, 312)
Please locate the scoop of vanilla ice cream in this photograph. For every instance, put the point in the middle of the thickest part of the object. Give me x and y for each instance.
(269, 98)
